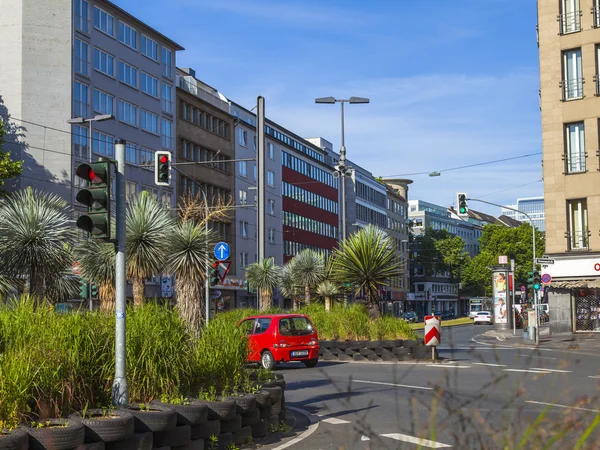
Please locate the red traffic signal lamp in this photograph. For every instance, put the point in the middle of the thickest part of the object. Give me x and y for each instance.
(96, 196)
(162, 168)
(214, 274)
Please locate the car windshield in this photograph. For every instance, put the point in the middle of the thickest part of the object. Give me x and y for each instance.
(295, 326)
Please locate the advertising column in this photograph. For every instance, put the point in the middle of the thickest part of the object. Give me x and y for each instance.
(501, 297)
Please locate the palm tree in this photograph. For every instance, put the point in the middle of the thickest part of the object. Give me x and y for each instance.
(287, 286)
(264, 276)
(36, 234)
(189, 246)
(366, 260)
(327, 289)
(308, 270)
(97, 265)
(148, 228)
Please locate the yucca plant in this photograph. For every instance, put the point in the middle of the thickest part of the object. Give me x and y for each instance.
(36, 234)
(148, 227)
(264, 276)
(97, 264)
(308, 270)
(366, 260)
(327, 290)
(286, 284)
(189, 246)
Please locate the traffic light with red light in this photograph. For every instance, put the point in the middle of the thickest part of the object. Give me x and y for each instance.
(162, 168)
(96, 196)
(214, 274)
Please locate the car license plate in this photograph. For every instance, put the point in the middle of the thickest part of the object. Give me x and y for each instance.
(299, 353)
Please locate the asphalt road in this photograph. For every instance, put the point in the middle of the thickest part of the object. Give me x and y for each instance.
(484, 394)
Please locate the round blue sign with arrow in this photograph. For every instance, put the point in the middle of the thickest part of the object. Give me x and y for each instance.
(222, 251)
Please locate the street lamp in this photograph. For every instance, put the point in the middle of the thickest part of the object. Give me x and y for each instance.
(96, 118)
(341, 168)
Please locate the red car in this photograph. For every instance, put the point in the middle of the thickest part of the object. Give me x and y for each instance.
(276, 338)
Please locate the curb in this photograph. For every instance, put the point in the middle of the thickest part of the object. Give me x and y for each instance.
(312, 427)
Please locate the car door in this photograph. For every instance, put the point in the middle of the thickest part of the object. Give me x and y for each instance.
(247, 327)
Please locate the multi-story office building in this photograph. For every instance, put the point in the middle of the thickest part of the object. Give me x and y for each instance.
(569, 54)
(366, 200)
(533, 206)
(205, 142)
(77, 59)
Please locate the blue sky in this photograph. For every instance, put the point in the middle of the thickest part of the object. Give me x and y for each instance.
(451, 82)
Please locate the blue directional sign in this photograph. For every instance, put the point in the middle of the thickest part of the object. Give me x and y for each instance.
(222, 251)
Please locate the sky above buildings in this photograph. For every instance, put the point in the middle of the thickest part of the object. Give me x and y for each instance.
(451, 83)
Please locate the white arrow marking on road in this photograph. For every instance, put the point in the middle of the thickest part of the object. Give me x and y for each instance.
(527, 370)
(334, 421)
(551, 370)
(563, 406)
(365, 438)
(393, 384)
(489, 364)
(416, 440)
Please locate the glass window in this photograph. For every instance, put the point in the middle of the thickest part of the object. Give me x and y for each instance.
(243, 168)
(82, 60)
(103, 102)
(149, 85)
(103, 62)
(270, 178)
(149, 122)
(130, 189)
(244, 261)
(80, 142)
(578, 224)
(243, 228)
(128, 113)
(167, 62)
(271, 208)
(147, 158)
(247, 326)
(127, 35)
(271, 150)
(243, 197)
(263, 323)
(149, 48)
(103, 144)
(167, 134)
(128, 74)
(167, 98)
(572, 74)
(243, 137)
(295, 326)
(130, 153)
(575, 148)
(104, 21)
(82, 20)
(80, 100)
(570, 17)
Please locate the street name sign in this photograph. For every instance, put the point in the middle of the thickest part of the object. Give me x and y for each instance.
(544, 261)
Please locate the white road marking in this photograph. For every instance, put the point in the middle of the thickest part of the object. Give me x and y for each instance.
(489, 364)
(334, 421)
(563, 406)
(365, 438)
(594, 376)
(454, 366)
(534, 356)
(526, 370)
(393, 384)
(314, 424)
(551, 370)
(416, 440)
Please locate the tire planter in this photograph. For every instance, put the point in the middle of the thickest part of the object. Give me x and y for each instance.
(16, 439)
(221, 410)
(245, 403)
(266, 412)
(275, 392)
(225, 440)
(193, 413)
(156, 419)
(231, 426)
(177, 437)
(263, 398)
(116, 425)
(206, 430)
(91, 446)
(251, 418)
(242, 436)
(194, 445)
(61, 434)
(274, 421)
(260, 429)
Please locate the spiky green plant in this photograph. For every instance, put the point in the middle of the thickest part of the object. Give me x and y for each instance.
(366, 260)
(148, 227)
(286, 284)
(189, 246)
(308, 270)
(36, 234)
(97, 265)
(327, 289)
(264, 276)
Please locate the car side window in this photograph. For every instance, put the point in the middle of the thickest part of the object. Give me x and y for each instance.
(261, 325)
(247, 325)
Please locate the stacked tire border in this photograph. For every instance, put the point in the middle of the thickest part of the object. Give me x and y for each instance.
(375, 351)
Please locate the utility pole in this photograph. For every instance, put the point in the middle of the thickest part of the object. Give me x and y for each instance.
(120, 388)
(260, 156)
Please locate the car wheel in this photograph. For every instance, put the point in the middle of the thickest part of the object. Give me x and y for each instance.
(310, 363)
(267, 361)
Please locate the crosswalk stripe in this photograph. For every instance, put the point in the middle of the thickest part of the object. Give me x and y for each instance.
(416, 440)
(489, 364)
(551, 370)
(526, 370)
(334, 421)
(454, 366)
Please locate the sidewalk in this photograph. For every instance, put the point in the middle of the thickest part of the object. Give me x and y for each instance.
(586, 342)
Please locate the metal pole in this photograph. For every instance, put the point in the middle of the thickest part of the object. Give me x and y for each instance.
(513, 309)
(343, 176)
(207, 261)
(120, 389)
(261, 191)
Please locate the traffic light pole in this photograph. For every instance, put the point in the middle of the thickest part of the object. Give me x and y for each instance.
(537, 332)
(120, 388)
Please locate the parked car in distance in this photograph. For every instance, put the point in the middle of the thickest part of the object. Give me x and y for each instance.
(278, 338)
(410, 316)
(482, 317)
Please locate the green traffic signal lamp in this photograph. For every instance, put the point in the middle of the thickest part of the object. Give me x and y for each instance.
(537, 282)
(214, 274)
(96, 196)
(461, 203)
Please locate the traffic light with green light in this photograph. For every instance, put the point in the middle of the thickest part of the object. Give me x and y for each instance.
(214, 274)
(83, 289)
(94, 291)
(162, 168)
(96, 196)
(537, 282)
(461, 204)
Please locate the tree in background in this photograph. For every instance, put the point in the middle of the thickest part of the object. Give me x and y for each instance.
(308, 270)
(8, 168)
(264, 276)
(438, 252)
